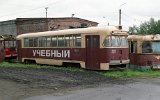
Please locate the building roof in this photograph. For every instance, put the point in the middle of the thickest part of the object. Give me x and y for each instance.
(59, 18)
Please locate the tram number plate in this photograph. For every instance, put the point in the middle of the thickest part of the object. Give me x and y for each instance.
(113, 51)
(156, 67)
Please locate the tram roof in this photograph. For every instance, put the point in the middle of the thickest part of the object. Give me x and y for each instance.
(7, 37)
(144, 37)
(90, 30)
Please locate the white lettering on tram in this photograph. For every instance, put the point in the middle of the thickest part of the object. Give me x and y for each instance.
(52, 53)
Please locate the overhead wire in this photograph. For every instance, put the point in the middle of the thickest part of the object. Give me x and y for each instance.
(133, 19)
(36, 8)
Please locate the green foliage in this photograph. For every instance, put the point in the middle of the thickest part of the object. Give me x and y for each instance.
(149, 27)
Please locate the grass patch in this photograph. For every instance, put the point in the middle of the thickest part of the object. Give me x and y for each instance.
(131, 73)
(22, 65)
(118, 74)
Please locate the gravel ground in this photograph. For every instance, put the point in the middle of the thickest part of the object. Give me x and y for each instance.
(31, 82)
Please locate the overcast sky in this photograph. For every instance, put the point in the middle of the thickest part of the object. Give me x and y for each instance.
(101, 11)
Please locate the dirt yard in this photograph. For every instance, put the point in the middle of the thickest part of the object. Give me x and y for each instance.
(19, 83)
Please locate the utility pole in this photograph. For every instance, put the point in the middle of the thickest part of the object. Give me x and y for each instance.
(73, 15)
(120, 17)
(120, 13)
(46, 11)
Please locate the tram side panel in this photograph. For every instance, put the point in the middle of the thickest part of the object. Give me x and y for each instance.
(61, 54)
(106, 56)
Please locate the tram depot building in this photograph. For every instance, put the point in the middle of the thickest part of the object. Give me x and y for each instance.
(28, 25)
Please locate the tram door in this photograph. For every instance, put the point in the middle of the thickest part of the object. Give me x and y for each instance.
(92, 51)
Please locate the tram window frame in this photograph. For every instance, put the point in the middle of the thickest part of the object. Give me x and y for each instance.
(14, 43)
(156, 47)
(133, 47)
(78, 40)
(6, 44)
(115, 41)
(10, 43)
(61, 41)
(26, 42)
(31, 42)
(147, 47)
(106, 42)
(42, 41)
(67, 39)
(35, 42)
(54, 41)
(48, 41)
(73, 40)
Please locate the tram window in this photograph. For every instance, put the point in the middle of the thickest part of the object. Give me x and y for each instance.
(71, 41)
(156, 46)
(10, 44)
(6, 44)
(133, 47)
(146, 47)
(68, 38)
(115, 41)
(31, 42)
(42, 41)
(35, 42)
(124, 41)
(54, 41)
(1, 43)
(61, 41)
(65, 41)
(74, 39)
(78, 40)
(48, 41)
(26, 42)
(14, 43)
(106, 42)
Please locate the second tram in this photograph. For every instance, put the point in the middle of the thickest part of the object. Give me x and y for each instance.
(2, 51)
(9, 42)
(144, 52)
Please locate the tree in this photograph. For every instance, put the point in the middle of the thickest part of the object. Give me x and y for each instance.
(149, 27)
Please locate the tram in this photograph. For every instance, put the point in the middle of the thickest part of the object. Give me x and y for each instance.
(2, 51)
(144, 52)
(9, 42)
(93, 48)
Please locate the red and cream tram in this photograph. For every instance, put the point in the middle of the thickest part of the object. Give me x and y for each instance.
(93, 48)
(2, 51)
(9, 42)
(144, 52)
